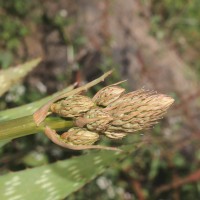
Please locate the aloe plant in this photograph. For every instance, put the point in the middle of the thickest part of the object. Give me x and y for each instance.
(59, 180)
(110, 112)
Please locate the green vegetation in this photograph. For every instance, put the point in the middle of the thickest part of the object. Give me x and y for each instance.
(179, 22)
(140, 170)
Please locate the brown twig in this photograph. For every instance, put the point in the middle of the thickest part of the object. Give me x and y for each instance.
(138, 189)
(194, 177)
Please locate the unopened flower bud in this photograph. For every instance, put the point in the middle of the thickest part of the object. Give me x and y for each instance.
(72, 106)
(137, 110)
(107, 95)
(79, 136)
(95, 119)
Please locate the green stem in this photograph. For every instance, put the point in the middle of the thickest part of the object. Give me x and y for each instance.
(25, 126)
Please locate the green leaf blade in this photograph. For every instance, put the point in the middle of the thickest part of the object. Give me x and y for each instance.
(11, 76)
(59, 180)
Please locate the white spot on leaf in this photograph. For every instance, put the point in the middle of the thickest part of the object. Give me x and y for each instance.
(46, 185)
(17, 197)
(76, 184)
(47, 171)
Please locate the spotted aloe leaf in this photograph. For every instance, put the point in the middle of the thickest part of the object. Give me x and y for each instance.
(59, 180)
(28, 109)
(11, 76)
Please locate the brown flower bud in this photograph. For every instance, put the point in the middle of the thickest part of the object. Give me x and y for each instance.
(137, 110)
(79, 136)
(95, 119)
(72, 106)
(107, 95)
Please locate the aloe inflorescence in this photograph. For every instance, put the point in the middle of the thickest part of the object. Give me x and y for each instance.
(111, 112)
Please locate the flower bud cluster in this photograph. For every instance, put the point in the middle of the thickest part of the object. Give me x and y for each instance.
(111, 112)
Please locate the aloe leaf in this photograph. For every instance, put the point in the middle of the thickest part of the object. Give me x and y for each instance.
(57, 181)
(11, 76)
(3, 142)
(28, 109)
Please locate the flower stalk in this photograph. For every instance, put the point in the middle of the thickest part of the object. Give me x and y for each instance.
(26, 126)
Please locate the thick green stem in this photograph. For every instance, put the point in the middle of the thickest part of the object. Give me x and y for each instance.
(25, 126)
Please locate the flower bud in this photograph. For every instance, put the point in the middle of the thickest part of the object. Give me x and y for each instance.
(137, 110)
(107, 95)
(72, 106)
(95, 119)
(79, 136)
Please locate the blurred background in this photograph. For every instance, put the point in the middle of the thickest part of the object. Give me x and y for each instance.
(153, 44)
